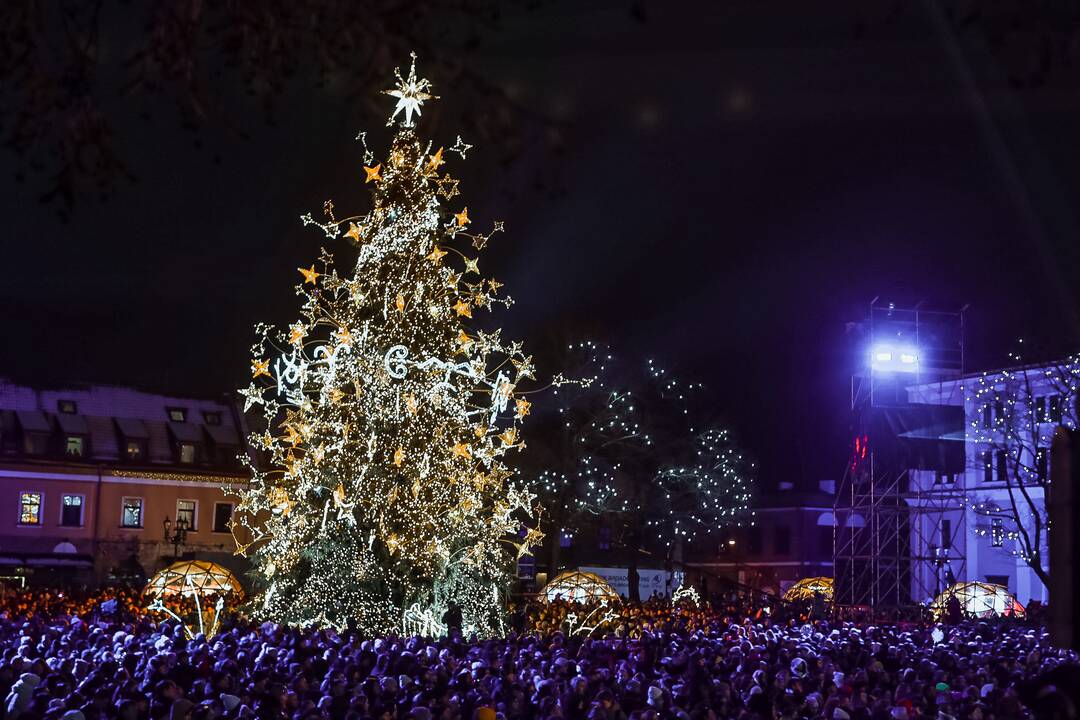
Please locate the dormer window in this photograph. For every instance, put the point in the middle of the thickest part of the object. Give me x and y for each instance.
(177, 414)
(212, 418)
(185, 452)
(68, 407)
(73, 446)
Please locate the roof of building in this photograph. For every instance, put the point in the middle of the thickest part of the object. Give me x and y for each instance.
(109, 418)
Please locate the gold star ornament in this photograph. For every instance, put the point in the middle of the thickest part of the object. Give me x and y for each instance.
(310, 276)
(372, 174)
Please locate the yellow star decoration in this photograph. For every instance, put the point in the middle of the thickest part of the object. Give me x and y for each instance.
(343, 337)
(297, 333)
(448, 186)
(509, 437)
(400, 303)
(463, 309)
(494, 285)
(260, 367)
(292, 436)
(524, 368)
(471, 265)
(335, 395)
(435, 161)
(399, 457)
(339, 494)
(354, 232)
(437, 254)
(309, 275)
(463, 340)
(462, 217)
(462, 450)
(410, 403)
(372, 173)
(481, 431)
(522, 407)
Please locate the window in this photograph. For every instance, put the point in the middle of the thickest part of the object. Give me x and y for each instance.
(988, 467)
(134, 450)
(222, 517)
(782, 540)
(946, 533)
(71, 510)
(565, 539)
(177, 414)
(997, 532)
(35, 443)
(131, 513)
(30, 508)
(1002, 580)
(999, 409)
(73, 446)
(987, 418)
(825, 540)
(1002, 466)
(944, 478)
(1040, 409)
(1054, 409)
(756, 540)
(68, 407)
(187, 512)
(186, 452)
(603, 538)
(1042, 464)
(211, 418)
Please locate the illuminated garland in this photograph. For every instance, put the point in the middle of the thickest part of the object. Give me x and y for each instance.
(388, 418)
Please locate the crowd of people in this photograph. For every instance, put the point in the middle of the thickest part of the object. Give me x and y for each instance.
(72, 661)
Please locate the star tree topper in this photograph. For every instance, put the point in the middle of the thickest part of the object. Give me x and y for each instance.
(410, 93)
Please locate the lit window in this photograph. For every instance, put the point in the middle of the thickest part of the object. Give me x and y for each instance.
(134, 450)
(71, 510)
(68, 407)
(73, 446)
(186, 513)
(212, 418)
(177, 414)
(997, 532)
(30, 508)
(187, 453)
(131, 515)
(222, 517)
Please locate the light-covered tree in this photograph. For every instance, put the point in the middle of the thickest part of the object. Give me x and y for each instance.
(386, 496)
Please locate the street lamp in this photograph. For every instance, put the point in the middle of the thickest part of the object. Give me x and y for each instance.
(176, 533)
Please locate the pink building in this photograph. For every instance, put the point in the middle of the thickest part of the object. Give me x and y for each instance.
(91, 477)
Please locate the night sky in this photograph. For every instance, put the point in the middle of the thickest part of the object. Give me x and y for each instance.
(721, 187)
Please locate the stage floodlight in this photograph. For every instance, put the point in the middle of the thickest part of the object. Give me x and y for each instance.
(888, 358)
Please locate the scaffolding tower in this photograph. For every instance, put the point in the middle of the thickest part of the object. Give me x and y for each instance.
(884, 507)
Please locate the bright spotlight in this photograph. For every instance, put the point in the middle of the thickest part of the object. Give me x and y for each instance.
(888, 358)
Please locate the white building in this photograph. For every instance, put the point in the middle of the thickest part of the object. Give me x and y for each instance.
(989, 523)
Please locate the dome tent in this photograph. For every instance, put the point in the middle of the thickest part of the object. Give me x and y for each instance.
(980, 600)
(578, 586)
(189, 578)
(807, 588)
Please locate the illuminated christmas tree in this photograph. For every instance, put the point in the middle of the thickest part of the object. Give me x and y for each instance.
(385, 496)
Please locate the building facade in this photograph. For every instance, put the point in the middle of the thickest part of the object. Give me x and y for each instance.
(98, 479)
(989, 522)
(791, 538)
